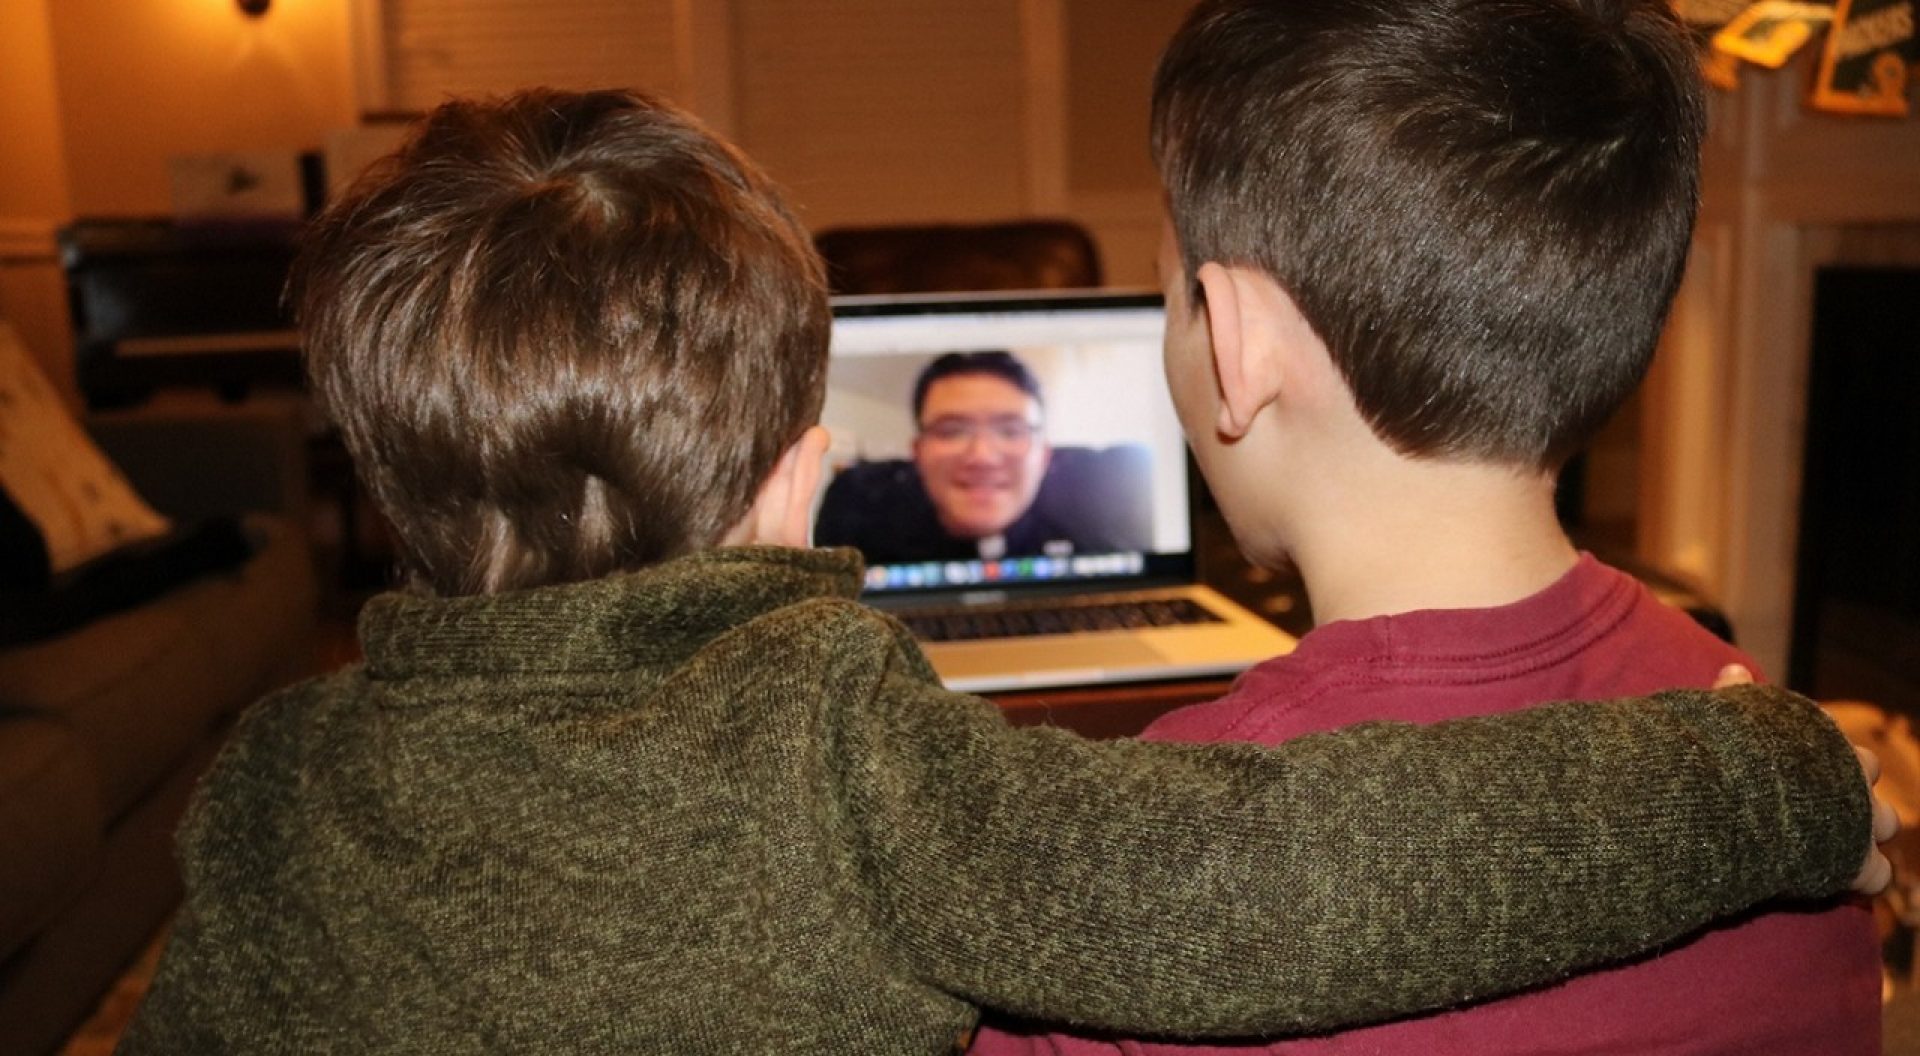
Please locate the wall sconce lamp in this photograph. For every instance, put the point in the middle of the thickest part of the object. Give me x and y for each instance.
(254, 8)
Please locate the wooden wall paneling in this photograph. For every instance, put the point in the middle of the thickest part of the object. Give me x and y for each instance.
(1785, 191)
(33, 298)
(372, 80)
(868, 112)
(704, 48)
(433, 49)
(1681, 475)
(886, 111)
(34, 199)
(1043, 31)
(1111, 52)
(1112, 187)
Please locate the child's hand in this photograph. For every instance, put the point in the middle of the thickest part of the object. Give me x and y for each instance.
(1877, 872)
(1733, 675)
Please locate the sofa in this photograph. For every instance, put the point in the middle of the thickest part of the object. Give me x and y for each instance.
(105, 727)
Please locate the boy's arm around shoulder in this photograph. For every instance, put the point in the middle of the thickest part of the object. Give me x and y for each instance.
(1342, 878)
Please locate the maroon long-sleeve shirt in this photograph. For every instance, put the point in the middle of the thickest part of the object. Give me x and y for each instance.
(1802, 980)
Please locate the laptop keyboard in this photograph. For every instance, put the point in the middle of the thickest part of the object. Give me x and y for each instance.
(960, 623)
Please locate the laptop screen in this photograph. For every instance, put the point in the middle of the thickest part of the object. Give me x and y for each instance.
(1003, 442)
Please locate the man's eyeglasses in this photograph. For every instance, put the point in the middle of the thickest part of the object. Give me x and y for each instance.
(1008, 433)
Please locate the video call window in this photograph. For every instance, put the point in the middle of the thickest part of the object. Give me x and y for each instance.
(975, 447)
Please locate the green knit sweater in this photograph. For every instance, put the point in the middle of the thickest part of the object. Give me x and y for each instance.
(719, 807)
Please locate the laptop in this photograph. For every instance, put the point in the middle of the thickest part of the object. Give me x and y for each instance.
(1032, 523)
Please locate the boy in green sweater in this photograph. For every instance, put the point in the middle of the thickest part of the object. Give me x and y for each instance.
(628, 769)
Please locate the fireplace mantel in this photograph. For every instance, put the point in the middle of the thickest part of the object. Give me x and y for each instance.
(1785, 192)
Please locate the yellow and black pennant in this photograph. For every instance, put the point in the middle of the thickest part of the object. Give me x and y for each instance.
(1866, 64)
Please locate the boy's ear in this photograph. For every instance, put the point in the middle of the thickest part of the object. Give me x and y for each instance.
(1243, 330)
(782, 513)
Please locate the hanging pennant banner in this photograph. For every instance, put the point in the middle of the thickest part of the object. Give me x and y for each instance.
(1864, 67)
(1768, 33)
(1705, 18)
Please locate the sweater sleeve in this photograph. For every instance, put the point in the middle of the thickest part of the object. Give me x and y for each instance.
(1340, 878)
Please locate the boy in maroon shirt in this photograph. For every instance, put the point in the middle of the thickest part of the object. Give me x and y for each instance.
(1419, 251)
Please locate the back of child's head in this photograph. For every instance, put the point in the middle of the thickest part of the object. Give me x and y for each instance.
(1482, 207)
(563, 335)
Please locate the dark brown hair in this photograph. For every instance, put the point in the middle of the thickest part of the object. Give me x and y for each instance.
(1483, 207)
(563, 334)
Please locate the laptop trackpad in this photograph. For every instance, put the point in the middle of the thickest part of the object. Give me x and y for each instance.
(1090, 653)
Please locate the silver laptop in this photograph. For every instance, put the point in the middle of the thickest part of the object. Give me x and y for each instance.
(1012, 469)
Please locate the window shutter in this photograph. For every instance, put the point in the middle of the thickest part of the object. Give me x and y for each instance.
(440, 48)
(881, 111)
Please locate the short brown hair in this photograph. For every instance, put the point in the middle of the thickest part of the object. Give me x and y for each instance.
(564, 335)
(1483, 207)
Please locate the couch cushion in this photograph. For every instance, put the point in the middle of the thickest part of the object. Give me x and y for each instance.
(50, 824)
(130, 576)
(75, 500)
(140, 688)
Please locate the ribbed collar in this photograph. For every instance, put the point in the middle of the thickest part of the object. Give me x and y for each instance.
(657, 616)
(1566, 617)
